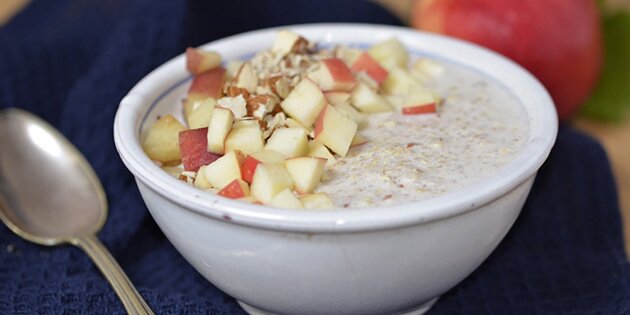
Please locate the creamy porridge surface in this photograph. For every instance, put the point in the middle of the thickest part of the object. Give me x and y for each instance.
(479, 128)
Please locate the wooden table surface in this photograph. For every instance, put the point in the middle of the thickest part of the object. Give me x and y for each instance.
(614, 138)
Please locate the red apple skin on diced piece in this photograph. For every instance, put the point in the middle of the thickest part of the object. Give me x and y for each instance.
(334, 75)
(334, 130)
(248, 168)
(366, 63)
(420, 109)
(208, 84)
(193, 146)
(235, 189)
(198, 61)
(252, 160)
(420, 102)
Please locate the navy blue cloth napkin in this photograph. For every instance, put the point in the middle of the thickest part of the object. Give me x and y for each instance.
(71, 62)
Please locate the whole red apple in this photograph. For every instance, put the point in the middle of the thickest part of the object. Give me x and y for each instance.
(559, 41)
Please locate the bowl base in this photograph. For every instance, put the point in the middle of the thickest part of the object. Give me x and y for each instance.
(417, 310)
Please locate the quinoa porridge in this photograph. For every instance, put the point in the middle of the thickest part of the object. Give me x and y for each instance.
(298, 126)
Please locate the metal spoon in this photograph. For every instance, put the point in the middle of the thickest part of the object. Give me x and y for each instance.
(50, 195)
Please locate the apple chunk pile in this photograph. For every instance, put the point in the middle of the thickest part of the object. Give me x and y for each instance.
(265, 130)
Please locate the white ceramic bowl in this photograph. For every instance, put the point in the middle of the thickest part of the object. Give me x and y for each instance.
(384, 260)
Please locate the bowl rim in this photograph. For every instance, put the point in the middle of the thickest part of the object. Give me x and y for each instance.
(542, 134)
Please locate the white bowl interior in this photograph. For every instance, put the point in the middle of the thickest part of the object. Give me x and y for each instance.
(161, 92)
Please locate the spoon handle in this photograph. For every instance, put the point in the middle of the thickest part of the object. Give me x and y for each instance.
(131, 299)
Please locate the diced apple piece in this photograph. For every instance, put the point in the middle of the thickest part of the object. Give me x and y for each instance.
(225, 169)
(246, 78)
(232, 68)
(236, 104)
(304, 102)
(292, 123)
(319, 150)
(204, 85)
(400, 82)
(200, 180)
(334, 130)
(306, 172)
(427, 68)
(419, 102)
(190, 101)
(270, 179)
(316, 201)
(367, 100)
(218, 128)
(337, 97)
(198, 61)
(390, 53)
(396, 101)
(193, 145)
(287, 42)
(285, 199)
(246, 123)
(236, 189)
(161, 143)
(208, 84)
(364, 78)
(349, 55)
(252, 160)
(290, 142)
(247, 139)
(352, 113)
(200, 113)
(358, 140)
(367, 64)
(173, 170)
(334, 75)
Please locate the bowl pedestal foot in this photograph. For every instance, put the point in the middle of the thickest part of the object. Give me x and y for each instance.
(417, 310)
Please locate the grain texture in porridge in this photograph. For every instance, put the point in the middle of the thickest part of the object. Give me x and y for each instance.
(479, 128)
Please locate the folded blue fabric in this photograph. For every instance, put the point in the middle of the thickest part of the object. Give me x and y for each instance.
(71, 62)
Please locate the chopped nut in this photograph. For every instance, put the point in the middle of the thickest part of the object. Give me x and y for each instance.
(279, 85)
(259, 105)
(233, 91)
(185, 178)
(237, 105)
(301, 46)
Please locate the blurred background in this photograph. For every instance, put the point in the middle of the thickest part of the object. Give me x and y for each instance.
(581, 55)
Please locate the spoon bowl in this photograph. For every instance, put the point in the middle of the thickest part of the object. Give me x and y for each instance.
(50, 195)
